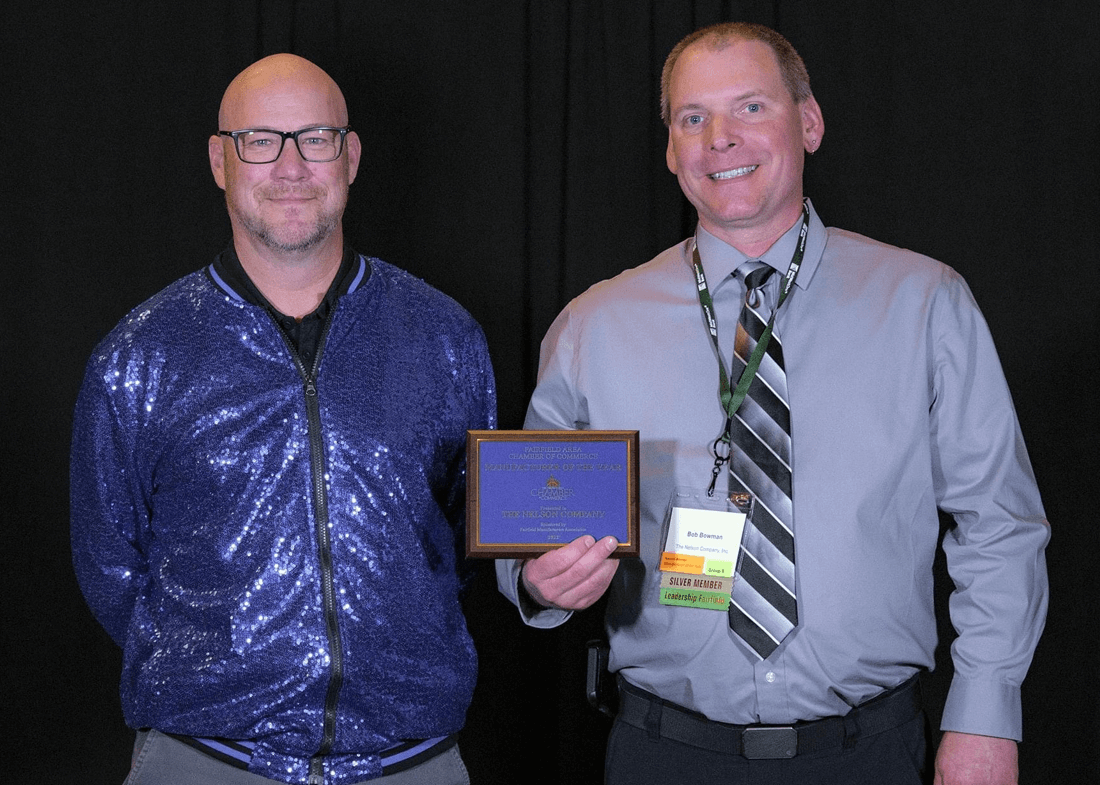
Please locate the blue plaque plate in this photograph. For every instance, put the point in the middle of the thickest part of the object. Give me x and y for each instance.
(528, 492)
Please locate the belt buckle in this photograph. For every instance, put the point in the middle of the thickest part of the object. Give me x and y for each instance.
(779, 741)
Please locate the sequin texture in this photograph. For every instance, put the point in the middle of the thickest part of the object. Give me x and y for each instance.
(193, 518)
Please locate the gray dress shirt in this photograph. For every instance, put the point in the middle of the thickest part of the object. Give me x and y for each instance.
(899, 406)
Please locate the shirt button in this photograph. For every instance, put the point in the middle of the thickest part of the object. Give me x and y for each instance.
(769, 677)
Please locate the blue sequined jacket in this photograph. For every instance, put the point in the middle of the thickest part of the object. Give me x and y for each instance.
(275, 547)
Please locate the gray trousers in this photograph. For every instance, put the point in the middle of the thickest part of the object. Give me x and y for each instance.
(161, 760)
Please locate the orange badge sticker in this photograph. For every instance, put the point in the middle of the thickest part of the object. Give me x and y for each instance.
(680, 562)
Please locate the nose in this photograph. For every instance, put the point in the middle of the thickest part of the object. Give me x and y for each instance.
(290, 165)
(723, 133)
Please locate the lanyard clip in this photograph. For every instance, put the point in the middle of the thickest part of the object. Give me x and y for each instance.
(714, 476)
(721, 455)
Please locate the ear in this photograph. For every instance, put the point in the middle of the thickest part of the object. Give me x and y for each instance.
(355, 150)
(813, 124)
(670, 154)
(216, 149)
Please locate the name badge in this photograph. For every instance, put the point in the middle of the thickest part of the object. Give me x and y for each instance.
(701, 546)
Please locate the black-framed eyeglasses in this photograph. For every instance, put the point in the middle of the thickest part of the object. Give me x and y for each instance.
(262, 146)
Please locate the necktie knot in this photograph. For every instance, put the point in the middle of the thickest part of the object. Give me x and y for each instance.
(755, 275)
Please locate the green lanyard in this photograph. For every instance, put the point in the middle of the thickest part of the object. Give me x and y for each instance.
(731, 398)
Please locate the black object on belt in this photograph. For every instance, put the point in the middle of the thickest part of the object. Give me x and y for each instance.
(665, 719)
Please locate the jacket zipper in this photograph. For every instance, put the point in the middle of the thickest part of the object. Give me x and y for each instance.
(324, 547)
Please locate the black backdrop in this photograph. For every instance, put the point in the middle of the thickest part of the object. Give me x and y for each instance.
(513, 156)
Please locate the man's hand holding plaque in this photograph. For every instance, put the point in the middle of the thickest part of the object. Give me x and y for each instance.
(573, 576)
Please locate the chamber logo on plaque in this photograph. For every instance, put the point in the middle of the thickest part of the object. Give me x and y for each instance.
(552, 491)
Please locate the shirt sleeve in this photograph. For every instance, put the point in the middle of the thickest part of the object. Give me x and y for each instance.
(995, 551)
(553, 407)
(109, 515)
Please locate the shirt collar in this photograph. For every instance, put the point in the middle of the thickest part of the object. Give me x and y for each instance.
(229, 274)
(720, 259)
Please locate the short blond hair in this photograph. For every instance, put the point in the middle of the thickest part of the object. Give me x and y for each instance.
(721, 35)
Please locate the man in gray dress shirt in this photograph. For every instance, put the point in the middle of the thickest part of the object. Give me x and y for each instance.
(898, 407)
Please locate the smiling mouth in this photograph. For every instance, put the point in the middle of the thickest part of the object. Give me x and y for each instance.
(290, 194)
(729, 174)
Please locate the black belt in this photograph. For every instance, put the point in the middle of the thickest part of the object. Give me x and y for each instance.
(667, 720)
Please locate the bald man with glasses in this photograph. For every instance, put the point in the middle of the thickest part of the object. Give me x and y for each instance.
(268, 478)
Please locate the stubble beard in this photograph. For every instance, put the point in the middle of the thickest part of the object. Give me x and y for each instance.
(285, 239)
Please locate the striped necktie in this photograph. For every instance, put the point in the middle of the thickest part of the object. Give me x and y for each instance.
(763, 608)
